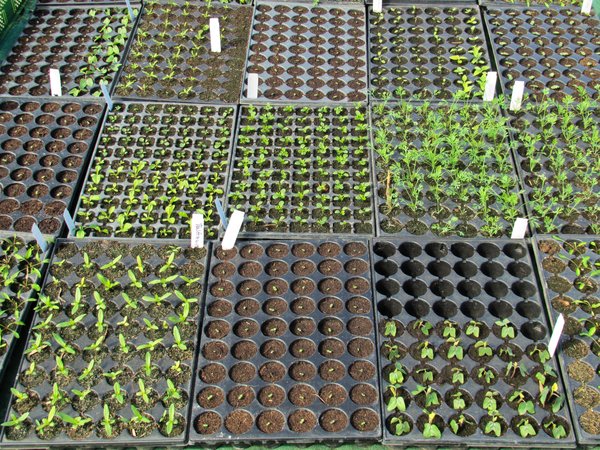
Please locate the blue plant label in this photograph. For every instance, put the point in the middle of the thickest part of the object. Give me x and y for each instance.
(221, 212)
(39, 237)
(109, 101)
(69, 221)
(130, 10)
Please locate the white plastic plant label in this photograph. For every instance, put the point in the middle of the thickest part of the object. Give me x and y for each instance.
(215, 35)
(233, 229)
(69, 221)
(519, 229)
(556, 334)
(586, 7)
(252, 85)
(197, 231)
(109, 101)
(39, 237)
(377, 6)
(55, 84)
(517, 95)
(490, 86)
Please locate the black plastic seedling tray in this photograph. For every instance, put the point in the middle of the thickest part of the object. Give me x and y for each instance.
(120, 319)
(549, 48)
(415, 51)
(405, 130)
(149, 154)
(574, 295)
(329, 189)
(53, 31)
(170, 57)
(46, 150)
(425, 287)
(308, 53)
(287, 349)
(558, 158)
(17, 296)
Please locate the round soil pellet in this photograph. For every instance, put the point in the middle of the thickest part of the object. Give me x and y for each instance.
(270, 421)
(244, 350)
(250, 269)
(276, 286)
(303, 250)
(219, 308)
(303, 371)
(304, 326)
(274, 327)
(303, 286)
(333, 394)
(246, 328)
(302, 421)
(360, 326)
(357, 285)
(329, 249)
(247, 307)
(273, 349)
(223, 270)
(355, 249)
(332, 371)
(217, 329)
(580, 371)
(358, 305)
(363, 394)
(277, 250)
(333, 420)
(222, 288)
(275, 306)
(361, 370)
(329, 267)
(590, 422)
(242, 372)
(212, 373)
(276, 268)
(215, 351)
(332, 348)
(364, 420)
(248, 288)
(240, 396)
(251, 251)
(361, 347)
(271, 396)
(210, 397)
(331, 305)
(356, 266)
(208, 423)
(303, 268)
(302, 395)
(330, 326)
(239, 422)
(330, 286)
(271, 372)
(302, 348)
(302, 306)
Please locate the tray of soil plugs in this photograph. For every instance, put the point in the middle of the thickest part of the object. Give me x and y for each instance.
(287, 345)
(571, 273)
(462, 336)
(111, 351)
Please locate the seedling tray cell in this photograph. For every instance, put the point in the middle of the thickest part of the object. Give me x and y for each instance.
(570, 277)
(458, 320)
(549, 48)
(22, 265)
(427, 51)
(76, 41)
(108, 315)
(287, 345)
(170, 58)
(556, 149)
(308, 53)
(302, 169)
(474, 189)
(155, 165)
(45, 151)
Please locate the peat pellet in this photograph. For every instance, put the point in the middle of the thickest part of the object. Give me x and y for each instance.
(333, 420)
(302, 421)
(239, 422)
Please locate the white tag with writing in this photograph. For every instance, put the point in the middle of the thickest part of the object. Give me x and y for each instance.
(233, 229)
(586, 7)
(517, 95)
(215, 35)
(556, 333)
(197, 231)
(377, 6)
(519, 229)
(490, 86)
(55, 84)
(252, 85)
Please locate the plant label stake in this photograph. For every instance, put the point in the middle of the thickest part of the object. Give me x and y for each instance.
(519, 228)
(233, 229)
(490, 86)
(197, 231)
(39, 237)
(215, 35)
(55, 85)
(69, 221)
(586, 7)
(109, 101)
(517, 95)
(377, 6)
(252, 85)
(556, 333)
(221, 212)
(130, 9)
